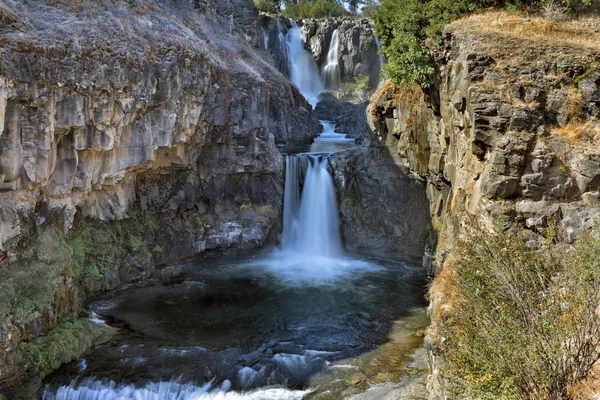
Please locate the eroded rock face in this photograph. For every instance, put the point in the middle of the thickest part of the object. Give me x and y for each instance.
(383, 210)
(160, 109)
(492, 138)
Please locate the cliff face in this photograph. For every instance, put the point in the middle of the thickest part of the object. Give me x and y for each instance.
(159, 113)
(508, 132)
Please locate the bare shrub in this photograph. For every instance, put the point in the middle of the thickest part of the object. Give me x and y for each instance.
(526, 323)
(554, 10)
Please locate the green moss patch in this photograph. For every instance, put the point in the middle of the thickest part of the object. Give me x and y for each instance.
(65, 343)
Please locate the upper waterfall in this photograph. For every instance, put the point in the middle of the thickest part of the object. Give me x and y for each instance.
(303, 69)
(331, 70)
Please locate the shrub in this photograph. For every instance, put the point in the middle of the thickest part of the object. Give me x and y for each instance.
(268, 6)
(525, 323)
(314, 9)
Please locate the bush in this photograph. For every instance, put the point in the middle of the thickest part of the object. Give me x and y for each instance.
(314, 9)
(403, 27)
(268, 6)
(525, 323)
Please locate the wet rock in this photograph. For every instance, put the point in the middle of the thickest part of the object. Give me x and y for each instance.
(382, 210)
(348, 117)
(172, 275)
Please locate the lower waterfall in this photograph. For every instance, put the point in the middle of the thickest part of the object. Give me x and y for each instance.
(311, 223)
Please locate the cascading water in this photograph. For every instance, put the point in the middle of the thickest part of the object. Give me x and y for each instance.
(311, 225)
(378, 43)
(90, 389)
(303, 69)
(331, 70)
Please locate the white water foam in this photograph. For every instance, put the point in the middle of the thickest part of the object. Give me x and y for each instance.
(312, 251)
(90, 389)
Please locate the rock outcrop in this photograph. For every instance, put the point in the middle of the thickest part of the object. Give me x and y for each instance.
(383, 210)
(144, 133)
(507, 133)
(349, 118)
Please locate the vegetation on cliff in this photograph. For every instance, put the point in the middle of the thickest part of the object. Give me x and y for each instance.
(523, 322)
(405, 27)
(313, 8)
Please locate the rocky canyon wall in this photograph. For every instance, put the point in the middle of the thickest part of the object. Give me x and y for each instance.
(508, 133)
(130, 135)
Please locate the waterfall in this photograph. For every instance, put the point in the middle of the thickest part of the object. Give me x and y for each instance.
(378, 43)
(331, 71)
(303, 69)
(311, 223)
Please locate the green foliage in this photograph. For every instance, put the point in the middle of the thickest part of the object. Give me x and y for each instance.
(403, 26)
(361, 82)
(100, 247)
(314, 9)
(585, 75)
(525, 323)
(268, 6)
(29, 286)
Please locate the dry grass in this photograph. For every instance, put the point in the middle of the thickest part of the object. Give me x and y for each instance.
(580, 133)
(588, 389)
(443, 295)
(583, 31)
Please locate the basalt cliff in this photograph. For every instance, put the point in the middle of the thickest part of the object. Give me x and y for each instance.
(507, 134)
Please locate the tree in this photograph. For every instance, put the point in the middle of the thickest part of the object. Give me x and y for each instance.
(269, 6)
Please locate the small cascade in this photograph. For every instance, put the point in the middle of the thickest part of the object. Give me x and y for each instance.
(303, 69)
(90, 389)
(311, 223)
(378, 43)
(283, 44)
(331, 70)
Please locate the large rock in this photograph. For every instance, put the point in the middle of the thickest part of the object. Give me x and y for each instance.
(383, 211)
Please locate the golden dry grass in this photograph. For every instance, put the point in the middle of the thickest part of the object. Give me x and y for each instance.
(583, 31)
(588, 389)
(578, 133)
(443, 295)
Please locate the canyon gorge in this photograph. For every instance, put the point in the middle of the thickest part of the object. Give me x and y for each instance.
(199, 200)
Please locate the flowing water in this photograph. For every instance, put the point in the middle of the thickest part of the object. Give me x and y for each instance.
(331, 70)
(303, 69)
(253, 325)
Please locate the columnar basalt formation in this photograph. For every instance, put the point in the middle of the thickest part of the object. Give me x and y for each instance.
(502, 136)
(158, 116)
